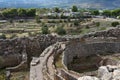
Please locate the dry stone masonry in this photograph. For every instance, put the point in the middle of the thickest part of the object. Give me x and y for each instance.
(11, 50)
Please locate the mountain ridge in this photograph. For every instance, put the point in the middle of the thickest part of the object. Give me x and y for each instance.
(107, 4)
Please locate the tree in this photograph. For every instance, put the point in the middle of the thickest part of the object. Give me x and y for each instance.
(74, 9)
(60, 31)
(115, 12)
(10, 20)
(3, 36)
(95, 12)
(9, 13)
(114, 24)
(56, 9)
(76, 23)
(45, 30)
(107, 13)
(31, 12)
(13, 12)
(21, 12)
(37, 19)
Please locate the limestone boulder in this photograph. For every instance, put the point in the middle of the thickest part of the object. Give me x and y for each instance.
(111, 68)
(116, 74)
(102, 71)
(107, 76)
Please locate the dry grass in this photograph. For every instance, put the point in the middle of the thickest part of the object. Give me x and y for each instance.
(58, 62)
(20, 75)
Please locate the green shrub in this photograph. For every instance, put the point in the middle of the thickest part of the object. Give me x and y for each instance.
(37, 19)
(69, 19)
(74, 9)
(114, 24)
(97, 24)
(60, 31)
(3, 36)
(21, 21)
(60, 21)
(76, 23)
(45, 30)
(52, 21)
(87, 27)
(2, 75)
(103, 28)
(13, 36)
(10, 20)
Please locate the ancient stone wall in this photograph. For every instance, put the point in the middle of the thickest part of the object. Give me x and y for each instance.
(79, 49)
(67, 76)
(107, 33)
(33, 46)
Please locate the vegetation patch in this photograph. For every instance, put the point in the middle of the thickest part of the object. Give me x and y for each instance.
(20, 75)
(2, 75)
(58, 62)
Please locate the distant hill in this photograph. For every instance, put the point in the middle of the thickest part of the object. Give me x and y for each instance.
(106, 4)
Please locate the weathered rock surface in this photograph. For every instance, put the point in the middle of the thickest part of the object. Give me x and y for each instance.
(109, 72)
(102, 71)
(88, 78)
(105, 73)
(116, 74)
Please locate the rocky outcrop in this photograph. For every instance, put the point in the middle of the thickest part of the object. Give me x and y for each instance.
(109, 72)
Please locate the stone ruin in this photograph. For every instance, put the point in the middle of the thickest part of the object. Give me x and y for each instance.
(13, 50)
(82, 57)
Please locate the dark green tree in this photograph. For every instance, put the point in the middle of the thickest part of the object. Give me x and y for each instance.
(21, 12)
(115, 12)
(76, 23)
(107, 13)
(9, 13)
(95, 12)
(114, 24)
(56, 9)
(37, 19)
(31, 12)
(74, 9)
(3, 36)
(60, 31)
(45, 30)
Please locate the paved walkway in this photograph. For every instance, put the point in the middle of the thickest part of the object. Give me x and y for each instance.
(36, 71)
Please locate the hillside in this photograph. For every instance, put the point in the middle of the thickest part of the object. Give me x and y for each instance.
(65, 3)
